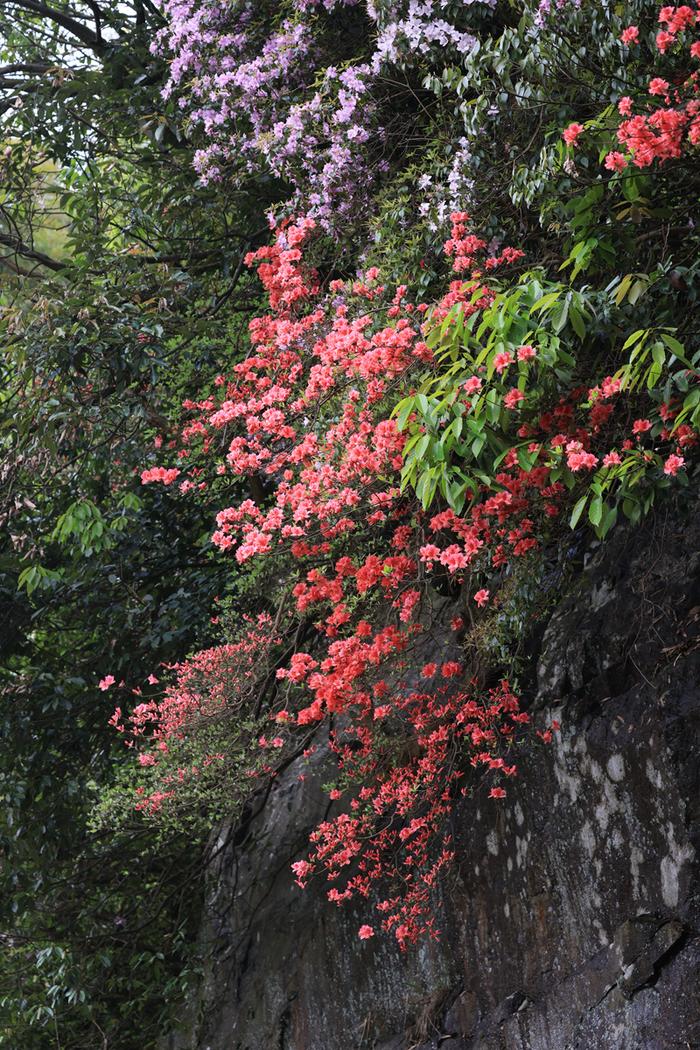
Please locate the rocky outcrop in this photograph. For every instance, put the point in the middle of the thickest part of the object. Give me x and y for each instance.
(570, 921)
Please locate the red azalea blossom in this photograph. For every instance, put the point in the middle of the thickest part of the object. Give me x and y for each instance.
(572, 133)
(502, 360)
(526, 353)
(513, 398)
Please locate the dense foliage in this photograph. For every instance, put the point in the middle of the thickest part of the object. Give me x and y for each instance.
(115, 284)
(341, 495)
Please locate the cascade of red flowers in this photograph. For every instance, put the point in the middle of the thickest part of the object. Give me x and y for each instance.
(308, 414)
(667, 121)
(309, 410)
(661, 133)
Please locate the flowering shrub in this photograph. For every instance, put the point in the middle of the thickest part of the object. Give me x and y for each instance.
(273, 89)
(395, 460)
(507, 406)
(196, 743)
(396, 448)
(399, 814)
(500, 429)
(663, 121)
(664, 130)
(310, 410)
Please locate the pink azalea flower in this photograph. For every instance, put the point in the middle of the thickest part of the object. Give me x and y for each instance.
(615, 161)
(513, 398)
(658, 86)
(572, 133)
(673, 464)
(502, 360)
(526, 353)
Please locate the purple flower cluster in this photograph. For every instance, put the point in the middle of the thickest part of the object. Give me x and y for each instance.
(547, 7)
(410, 30)
(268, 85)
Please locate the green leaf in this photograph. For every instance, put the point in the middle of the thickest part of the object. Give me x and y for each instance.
(561, 316)
(546, 302)
(623, 287)
(577, 322)
(595, 511)
(634, 338)
(637, 290)
(422, 404)
(527, 459)
(609, 519)
(677, 348)
(631, 510)
(422, 447)
(403, 411)
(577, 511)
(658, 355)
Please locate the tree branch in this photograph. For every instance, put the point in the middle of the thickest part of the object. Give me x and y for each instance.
(97, 15)
(26, 67)
(80, 32)
(19, 248)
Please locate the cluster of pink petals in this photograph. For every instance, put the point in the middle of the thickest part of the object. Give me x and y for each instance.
(308, 416)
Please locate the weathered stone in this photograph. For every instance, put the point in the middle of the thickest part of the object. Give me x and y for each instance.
(642, 943)
(570, 920)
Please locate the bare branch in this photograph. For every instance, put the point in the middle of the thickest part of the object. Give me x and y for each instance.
(26, 67)
(19, 248)
(97, 16)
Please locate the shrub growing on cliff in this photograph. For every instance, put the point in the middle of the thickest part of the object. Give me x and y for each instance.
(477, 333)
(499, 432)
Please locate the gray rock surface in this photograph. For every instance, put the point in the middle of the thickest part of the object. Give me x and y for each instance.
(570, 921)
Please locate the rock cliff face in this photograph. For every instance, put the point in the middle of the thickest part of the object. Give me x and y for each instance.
(571, 919)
